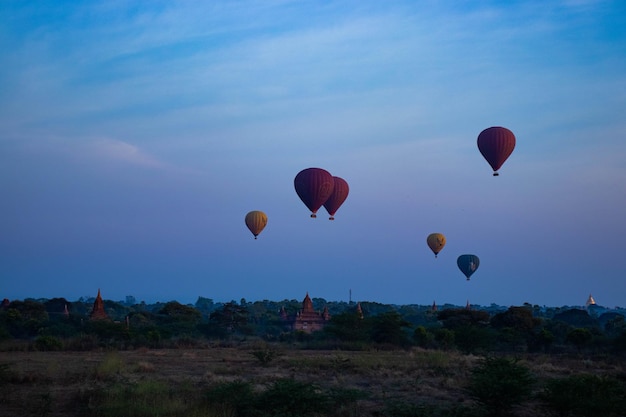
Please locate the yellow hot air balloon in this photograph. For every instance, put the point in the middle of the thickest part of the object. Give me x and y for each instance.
(256, 221)
(436, 242)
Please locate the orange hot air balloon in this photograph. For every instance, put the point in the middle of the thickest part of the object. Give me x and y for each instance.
(314, 186)
(496, 144)
(256, 221)
(336, 199)
(436, 242)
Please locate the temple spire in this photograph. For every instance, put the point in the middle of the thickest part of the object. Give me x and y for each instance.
(98, 312)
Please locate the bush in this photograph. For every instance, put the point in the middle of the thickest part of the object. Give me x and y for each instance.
(144, 399)
(83, 342)
(283, 398)
(111, 365)
(585, 395)
(500, 383)
(287, 397)
(265, 355)
(403, 409)
(236, 398)
(48, 343)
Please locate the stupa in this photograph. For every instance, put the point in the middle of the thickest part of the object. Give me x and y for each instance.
(98, 313)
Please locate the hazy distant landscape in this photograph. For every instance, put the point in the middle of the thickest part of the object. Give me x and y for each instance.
(244, 358)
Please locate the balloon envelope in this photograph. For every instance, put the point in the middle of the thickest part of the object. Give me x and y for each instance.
(496, 144)
(314, 186)
(256, 221)
(436, 242)
(468, 264)
(338, 196)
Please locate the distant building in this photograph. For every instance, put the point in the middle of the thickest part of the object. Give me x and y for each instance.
(306, 320)
(359, 310)
(98, 313)
(590, 301)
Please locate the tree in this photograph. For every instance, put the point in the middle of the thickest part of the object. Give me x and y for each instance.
(469, 328)
(500, 383)
(178, 311)
(614, 324)
(388, 328)
(444, 338)
(471, 339)
(516, 326)
(423, 337)
(205, 305)
(579, 337)
(576, 317)
(348, 327)
(229, 319)
(519, 318)
(24, 319)
(459, 317)
(542, 340)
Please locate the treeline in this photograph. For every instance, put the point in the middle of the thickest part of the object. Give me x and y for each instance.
(57, 324)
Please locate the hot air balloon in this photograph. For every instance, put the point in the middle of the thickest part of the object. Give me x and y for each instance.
(436, 242)
(468, 264)
(496, 144)
(314, 186)
(336, 199)
(256, 221)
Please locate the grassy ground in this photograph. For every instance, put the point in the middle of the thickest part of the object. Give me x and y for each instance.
(92, 383)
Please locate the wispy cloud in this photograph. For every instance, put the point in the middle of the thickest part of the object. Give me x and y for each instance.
(117, 150)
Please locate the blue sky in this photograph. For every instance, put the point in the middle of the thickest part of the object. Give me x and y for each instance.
(135, 136)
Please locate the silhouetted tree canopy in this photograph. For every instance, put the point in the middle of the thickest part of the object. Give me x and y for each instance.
(518, 318)
(458, 317)
(576, 317)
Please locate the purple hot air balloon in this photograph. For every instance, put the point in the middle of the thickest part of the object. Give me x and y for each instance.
(314, 186)
(496, 144)
(336, 199)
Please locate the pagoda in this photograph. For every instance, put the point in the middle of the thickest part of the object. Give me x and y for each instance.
(98, 313)
(307, 320)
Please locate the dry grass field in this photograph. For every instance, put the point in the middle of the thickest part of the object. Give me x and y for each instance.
(78, 383)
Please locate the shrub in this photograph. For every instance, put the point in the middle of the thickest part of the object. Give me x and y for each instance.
(403, 409)
(265, 355)
(287, 397)
(144, 399)
(283, 398)
(585, 395)
(235, 398)
(48, 343)
(83, 342)
(111, 365)
(500, 383)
